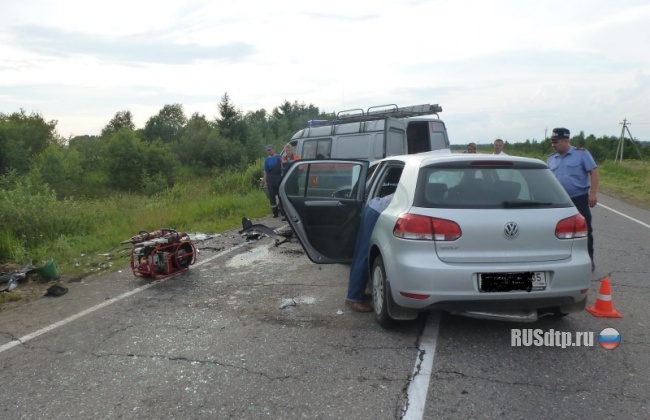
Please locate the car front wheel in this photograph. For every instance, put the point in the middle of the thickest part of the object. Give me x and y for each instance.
(380, 293)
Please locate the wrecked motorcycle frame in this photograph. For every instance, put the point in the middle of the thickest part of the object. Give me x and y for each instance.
(161, 253)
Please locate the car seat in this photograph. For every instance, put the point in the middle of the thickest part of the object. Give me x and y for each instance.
(508, 190)
(435, 192)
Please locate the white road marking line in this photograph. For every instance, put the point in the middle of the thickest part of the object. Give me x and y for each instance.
(416, 395)
(90, 310)
(625, 215)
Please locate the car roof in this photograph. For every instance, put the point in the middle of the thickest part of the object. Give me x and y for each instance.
(438, 156)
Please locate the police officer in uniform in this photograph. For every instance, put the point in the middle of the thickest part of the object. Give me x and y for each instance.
(573, 167)
(272, 177)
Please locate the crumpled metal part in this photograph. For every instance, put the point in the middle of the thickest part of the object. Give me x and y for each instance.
(12, 279)
(255, 231)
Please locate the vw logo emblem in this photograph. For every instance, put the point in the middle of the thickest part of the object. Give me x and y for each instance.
(511, 230)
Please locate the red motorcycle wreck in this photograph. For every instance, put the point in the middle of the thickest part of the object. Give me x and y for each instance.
(160, 254)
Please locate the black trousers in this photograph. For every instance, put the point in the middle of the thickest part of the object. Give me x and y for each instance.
(273, 188)
(582, 204)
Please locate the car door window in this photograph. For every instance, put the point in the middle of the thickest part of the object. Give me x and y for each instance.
(388, 180)
(325, 221)
(324, 180)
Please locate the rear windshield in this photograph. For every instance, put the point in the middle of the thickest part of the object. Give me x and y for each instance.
(485, 186)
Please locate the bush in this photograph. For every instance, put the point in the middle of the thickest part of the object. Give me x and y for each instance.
(234, 182)
(30, 216)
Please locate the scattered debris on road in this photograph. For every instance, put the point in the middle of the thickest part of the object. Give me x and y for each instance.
(56, 291)
(12, 279)
(253, 232)
(288, 303)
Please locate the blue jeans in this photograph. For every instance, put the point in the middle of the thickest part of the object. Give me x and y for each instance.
(359, 271)
(582, 204)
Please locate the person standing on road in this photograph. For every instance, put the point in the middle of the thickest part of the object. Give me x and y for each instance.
(288, 158)
(285, 163)
(357, 299)
(471, 148)
(272, 177)
(574, 167)
(498, 148)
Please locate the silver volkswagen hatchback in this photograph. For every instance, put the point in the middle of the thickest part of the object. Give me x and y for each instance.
(478, 235)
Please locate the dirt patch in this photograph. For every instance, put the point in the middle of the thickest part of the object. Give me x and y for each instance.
(33, 287)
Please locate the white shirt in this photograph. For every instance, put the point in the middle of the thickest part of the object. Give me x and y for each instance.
(379, 204)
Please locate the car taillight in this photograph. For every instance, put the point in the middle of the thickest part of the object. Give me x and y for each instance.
(424, 228)
(571, 228)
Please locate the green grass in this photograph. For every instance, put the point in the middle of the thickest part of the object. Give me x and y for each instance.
(9, 297)
(628, 180)
(77, 234)
(194, 209)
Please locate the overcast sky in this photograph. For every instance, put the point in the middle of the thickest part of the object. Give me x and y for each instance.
(509, 69)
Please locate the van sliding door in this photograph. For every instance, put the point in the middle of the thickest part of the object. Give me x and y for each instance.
(394, 137)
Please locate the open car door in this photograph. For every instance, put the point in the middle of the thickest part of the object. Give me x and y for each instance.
(323, 200)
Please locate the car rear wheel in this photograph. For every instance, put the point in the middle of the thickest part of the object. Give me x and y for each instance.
(380, 293)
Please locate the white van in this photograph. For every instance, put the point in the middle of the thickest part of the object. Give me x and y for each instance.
(379, 132)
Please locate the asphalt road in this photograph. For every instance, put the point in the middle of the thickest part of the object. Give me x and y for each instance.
(214, 342)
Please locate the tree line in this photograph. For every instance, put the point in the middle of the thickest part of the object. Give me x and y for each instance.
(147, 160)
(601, 148)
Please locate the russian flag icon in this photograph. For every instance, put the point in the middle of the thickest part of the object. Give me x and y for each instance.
(609, 338)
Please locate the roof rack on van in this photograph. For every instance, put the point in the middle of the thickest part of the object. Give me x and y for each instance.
(378, 112)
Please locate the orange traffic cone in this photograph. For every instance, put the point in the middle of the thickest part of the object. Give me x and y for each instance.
(604, 307)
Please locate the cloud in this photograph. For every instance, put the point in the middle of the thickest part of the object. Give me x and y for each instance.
(143, 48)
(501, 68)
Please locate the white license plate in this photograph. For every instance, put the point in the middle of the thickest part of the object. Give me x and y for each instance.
(510, 282)
(539, 280)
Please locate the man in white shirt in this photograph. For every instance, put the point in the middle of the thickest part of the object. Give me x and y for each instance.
(498, 147)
